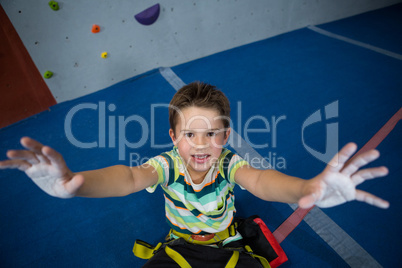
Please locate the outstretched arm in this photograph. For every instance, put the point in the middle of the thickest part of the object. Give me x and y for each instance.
(48, 170)
(334, 186)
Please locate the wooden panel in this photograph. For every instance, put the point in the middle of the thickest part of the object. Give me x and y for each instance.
(23, 91)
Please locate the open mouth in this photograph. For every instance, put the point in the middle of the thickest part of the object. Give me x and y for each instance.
(200, 158)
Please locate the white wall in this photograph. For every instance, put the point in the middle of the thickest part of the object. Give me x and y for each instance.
(61, 41)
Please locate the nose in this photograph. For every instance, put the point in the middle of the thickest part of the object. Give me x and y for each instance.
(200, 142)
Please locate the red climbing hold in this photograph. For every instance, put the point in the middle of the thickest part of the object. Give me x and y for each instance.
(149, 15)
(95, 28)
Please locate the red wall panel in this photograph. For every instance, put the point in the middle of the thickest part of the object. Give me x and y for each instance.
(23, 92)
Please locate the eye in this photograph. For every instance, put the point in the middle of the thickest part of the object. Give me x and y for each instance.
(189, 134)
(211, 134)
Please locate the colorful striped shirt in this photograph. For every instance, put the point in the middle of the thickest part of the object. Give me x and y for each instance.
(202, 208)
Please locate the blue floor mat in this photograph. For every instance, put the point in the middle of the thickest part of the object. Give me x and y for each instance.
(380, 28)
(288, 76)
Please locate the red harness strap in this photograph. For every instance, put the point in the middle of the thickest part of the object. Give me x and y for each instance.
(381, 134)
(290, 224)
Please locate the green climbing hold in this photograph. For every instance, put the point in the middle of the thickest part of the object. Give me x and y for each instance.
(48, 74)
(54, 5)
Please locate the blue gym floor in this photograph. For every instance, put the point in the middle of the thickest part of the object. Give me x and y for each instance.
(292, 75)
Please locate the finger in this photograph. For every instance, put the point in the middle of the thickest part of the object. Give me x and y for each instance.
(23, 155)
(74, 184)
(360, 161)
(15, 164)
(54, 157)
(307, 201)
(35, 147)
(339, 160)
(371, 199)
(31, 145)
(369, 173)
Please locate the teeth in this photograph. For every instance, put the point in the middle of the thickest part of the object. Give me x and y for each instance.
(200, 156)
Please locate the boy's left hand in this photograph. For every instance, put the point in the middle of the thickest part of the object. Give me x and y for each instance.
(337, 183)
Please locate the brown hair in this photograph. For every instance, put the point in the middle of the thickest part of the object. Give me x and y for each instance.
(201, 95)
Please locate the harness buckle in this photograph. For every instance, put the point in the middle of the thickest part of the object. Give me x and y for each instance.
(203, 237)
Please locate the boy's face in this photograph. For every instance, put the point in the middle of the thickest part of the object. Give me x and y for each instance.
(200, 136)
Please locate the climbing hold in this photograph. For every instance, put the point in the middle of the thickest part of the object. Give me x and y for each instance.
(95, 28)
(104, 55)
(54, 5)
(47, 74)
(149, 15)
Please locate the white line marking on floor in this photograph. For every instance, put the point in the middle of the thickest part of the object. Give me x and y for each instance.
(354, 42)
(172, 78)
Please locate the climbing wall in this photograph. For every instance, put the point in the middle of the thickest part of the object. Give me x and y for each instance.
(61, 39)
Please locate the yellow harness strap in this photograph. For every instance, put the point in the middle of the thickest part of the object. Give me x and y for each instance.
(174, 255)
(264, 262)
(144, 250)
(233, 260)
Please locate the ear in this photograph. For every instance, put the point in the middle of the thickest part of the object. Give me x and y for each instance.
(227, 134)
(172, 136)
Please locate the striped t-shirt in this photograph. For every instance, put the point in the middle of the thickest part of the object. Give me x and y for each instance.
(202, 208)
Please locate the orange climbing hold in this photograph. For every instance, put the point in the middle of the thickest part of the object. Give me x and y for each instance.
(95, 28)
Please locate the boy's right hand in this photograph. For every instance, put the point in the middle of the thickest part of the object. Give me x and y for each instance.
(45, 167)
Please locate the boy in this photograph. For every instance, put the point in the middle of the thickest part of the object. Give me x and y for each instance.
(198, 175)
